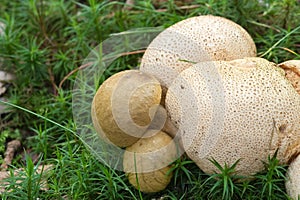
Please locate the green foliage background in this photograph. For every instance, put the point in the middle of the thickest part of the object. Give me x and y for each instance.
(46, 40)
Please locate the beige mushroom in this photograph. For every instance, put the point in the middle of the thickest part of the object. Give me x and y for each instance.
(229, 110)
(124, 106)
(196, 39)
(292, 72)
(147, 162)
(293, 179)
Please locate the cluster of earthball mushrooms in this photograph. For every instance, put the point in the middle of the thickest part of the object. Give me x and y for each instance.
(220, 100)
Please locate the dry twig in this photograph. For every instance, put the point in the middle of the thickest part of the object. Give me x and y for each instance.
(11, 148)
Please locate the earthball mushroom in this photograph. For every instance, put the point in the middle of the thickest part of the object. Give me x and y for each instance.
(196, 39)
(243, 110)
(293, 179)
(292, 72)
(124, 106)
(147, 162)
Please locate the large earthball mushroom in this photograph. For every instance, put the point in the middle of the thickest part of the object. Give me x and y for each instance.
(196, 39)
(292, 73)
(229, 110)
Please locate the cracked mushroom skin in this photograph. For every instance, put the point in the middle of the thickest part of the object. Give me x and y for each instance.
(293, 179)
(229, 110)
(196, 39)
(292, 72)
(123, 106)
(147, 162)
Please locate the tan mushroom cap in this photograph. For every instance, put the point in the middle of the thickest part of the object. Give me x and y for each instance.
(292, 72)
(196, 39)
(124, 105)
(293, 179)
(149, 160)
(229, 110)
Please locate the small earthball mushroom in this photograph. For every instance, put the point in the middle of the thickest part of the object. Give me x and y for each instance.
(124, 106)
(292, 72)
(229, 110)
(147, 162)
(293, 179)
(196, 39)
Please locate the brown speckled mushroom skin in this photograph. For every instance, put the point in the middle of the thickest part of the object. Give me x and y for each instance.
(246, 111)
(196, 39)
(158, 177)
(292, 72)
(141, 93)
(293, 179)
